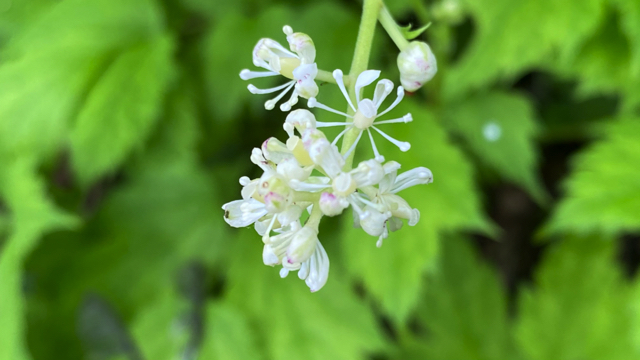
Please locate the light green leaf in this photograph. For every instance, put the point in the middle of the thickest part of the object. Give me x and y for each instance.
(412, 34)
(464, 308)
(630, 24)
(228, 335)
(513, 36)
(32, 216)
(603, 192)
(157, 330)
(579, 309)
(293, 322)
(40, 85)
(121, 109)
(393, 273)
(500, 129)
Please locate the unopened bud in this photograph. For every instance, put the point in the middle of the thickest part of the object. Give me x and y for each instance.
(417, 65)
(332, 205)
(302, 245)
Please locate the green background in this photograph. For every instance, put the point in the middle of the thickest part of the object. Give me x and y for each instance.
(124, 127)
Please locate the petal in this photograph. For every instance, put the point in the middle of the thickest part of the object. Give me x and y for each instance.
(365, 78)
(241, 213)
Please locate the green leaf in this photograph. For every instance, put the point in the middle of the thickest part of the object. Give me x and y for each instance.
(121, 109)
(412, 34)
(40, 85)
(580, 307)
(603, 192)
(32, 216)
(157, 330)
(513, 36)
(393, 273)
(293, 322)
(630, 24)
(500, 129)
(464, 308)
(228, 335)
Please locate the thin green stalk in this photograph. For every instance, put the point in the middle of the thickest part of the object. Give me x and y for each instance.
(387, 22)
(360, 62)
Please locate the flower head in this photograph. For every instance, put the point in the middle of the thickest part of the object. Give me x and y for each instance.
(367, 110)
(297, 64)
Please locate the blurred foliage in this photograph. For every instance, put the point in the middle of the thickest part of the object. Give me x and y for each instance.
(124, 127)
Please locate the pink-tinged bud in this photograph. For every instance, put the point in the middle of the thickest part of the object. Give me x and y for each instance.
(417, 65)
(332, 205)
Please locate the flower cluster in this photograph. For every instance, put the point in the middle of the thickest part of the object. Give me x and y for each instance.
(306, 177)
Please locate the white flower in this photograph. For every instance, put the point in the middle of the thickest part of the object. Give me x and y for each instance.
(366, 111)
(386, 209)
(417, 65)
(298, 65)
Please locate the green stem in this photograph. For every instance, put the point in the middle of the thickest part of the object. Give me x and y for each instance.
(387, 22)
(360, 62)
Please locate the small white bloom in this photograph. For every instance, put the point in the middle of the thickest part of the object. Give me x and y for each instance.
(417, 65)
(241, 213)
(314, 271)
(366, 111)
(298, 65)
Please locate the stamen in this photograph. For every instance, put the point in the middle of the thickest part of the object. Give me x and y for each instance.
(267, 233)
(314, 103)
(383, 88)
(270, 104)
(402, 145)
(379, 158)
(274, 44)
(355, 206)
(337, 74)
(353, 146)
(286, 106)
(287, 30)
(284, 272)
(247, 74)
(305, 186)
(244, 181)
(365, 78)
(395, 102)
(373, 205)
(255, 90)
(405, 119)
(320, 124)
(335, 141)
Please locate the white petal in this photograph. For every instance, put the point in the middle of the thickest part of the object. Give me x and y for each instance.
(417, 176)
(241, 213)
(365, 78)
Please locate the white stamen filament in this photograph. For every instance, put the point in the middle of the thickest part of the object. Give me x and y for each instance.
(320, 124)
(255, 90)
(267, 233)
(247, 74)
(405, 119)
(305, 186)
(379, 158)
(286, 106)
(270, 104)
(402, 145)
(314, 103)
(335, 141)
(337, 74)
(395, 102)
(354, 145)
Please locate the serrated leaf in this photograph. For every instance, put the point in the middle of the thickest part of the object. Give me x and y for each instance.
(32, 216)
(393, 273)
(579, 308)
(513, 36)
(121, 109)
(464, 308)
(603, 192)
(294, 322)
(500, 129)
(228, 335)
(157, 329)
(40, 85)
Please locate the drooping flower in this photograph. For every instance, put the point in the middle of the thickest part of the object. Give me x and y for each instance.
(297, 64)
(366, 111)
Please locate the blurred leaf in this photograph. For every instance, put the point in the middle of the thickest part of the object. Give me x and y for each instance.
(630, 24)
(157, 329)
(393, 273)
(121, 109)
(603, 192)
(515, 35)
(464, 308)
(412, 34)
(294, 322)
(40, 85)
(500, 128)
(32, 216)
(228, 335)
(579, 309)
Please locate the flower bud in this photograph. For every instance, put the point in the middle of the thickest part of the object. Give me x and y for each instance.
(417, 65)
(302, 245)
(332, 205)
(344, 185)
(301, 120)
(275, 150)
